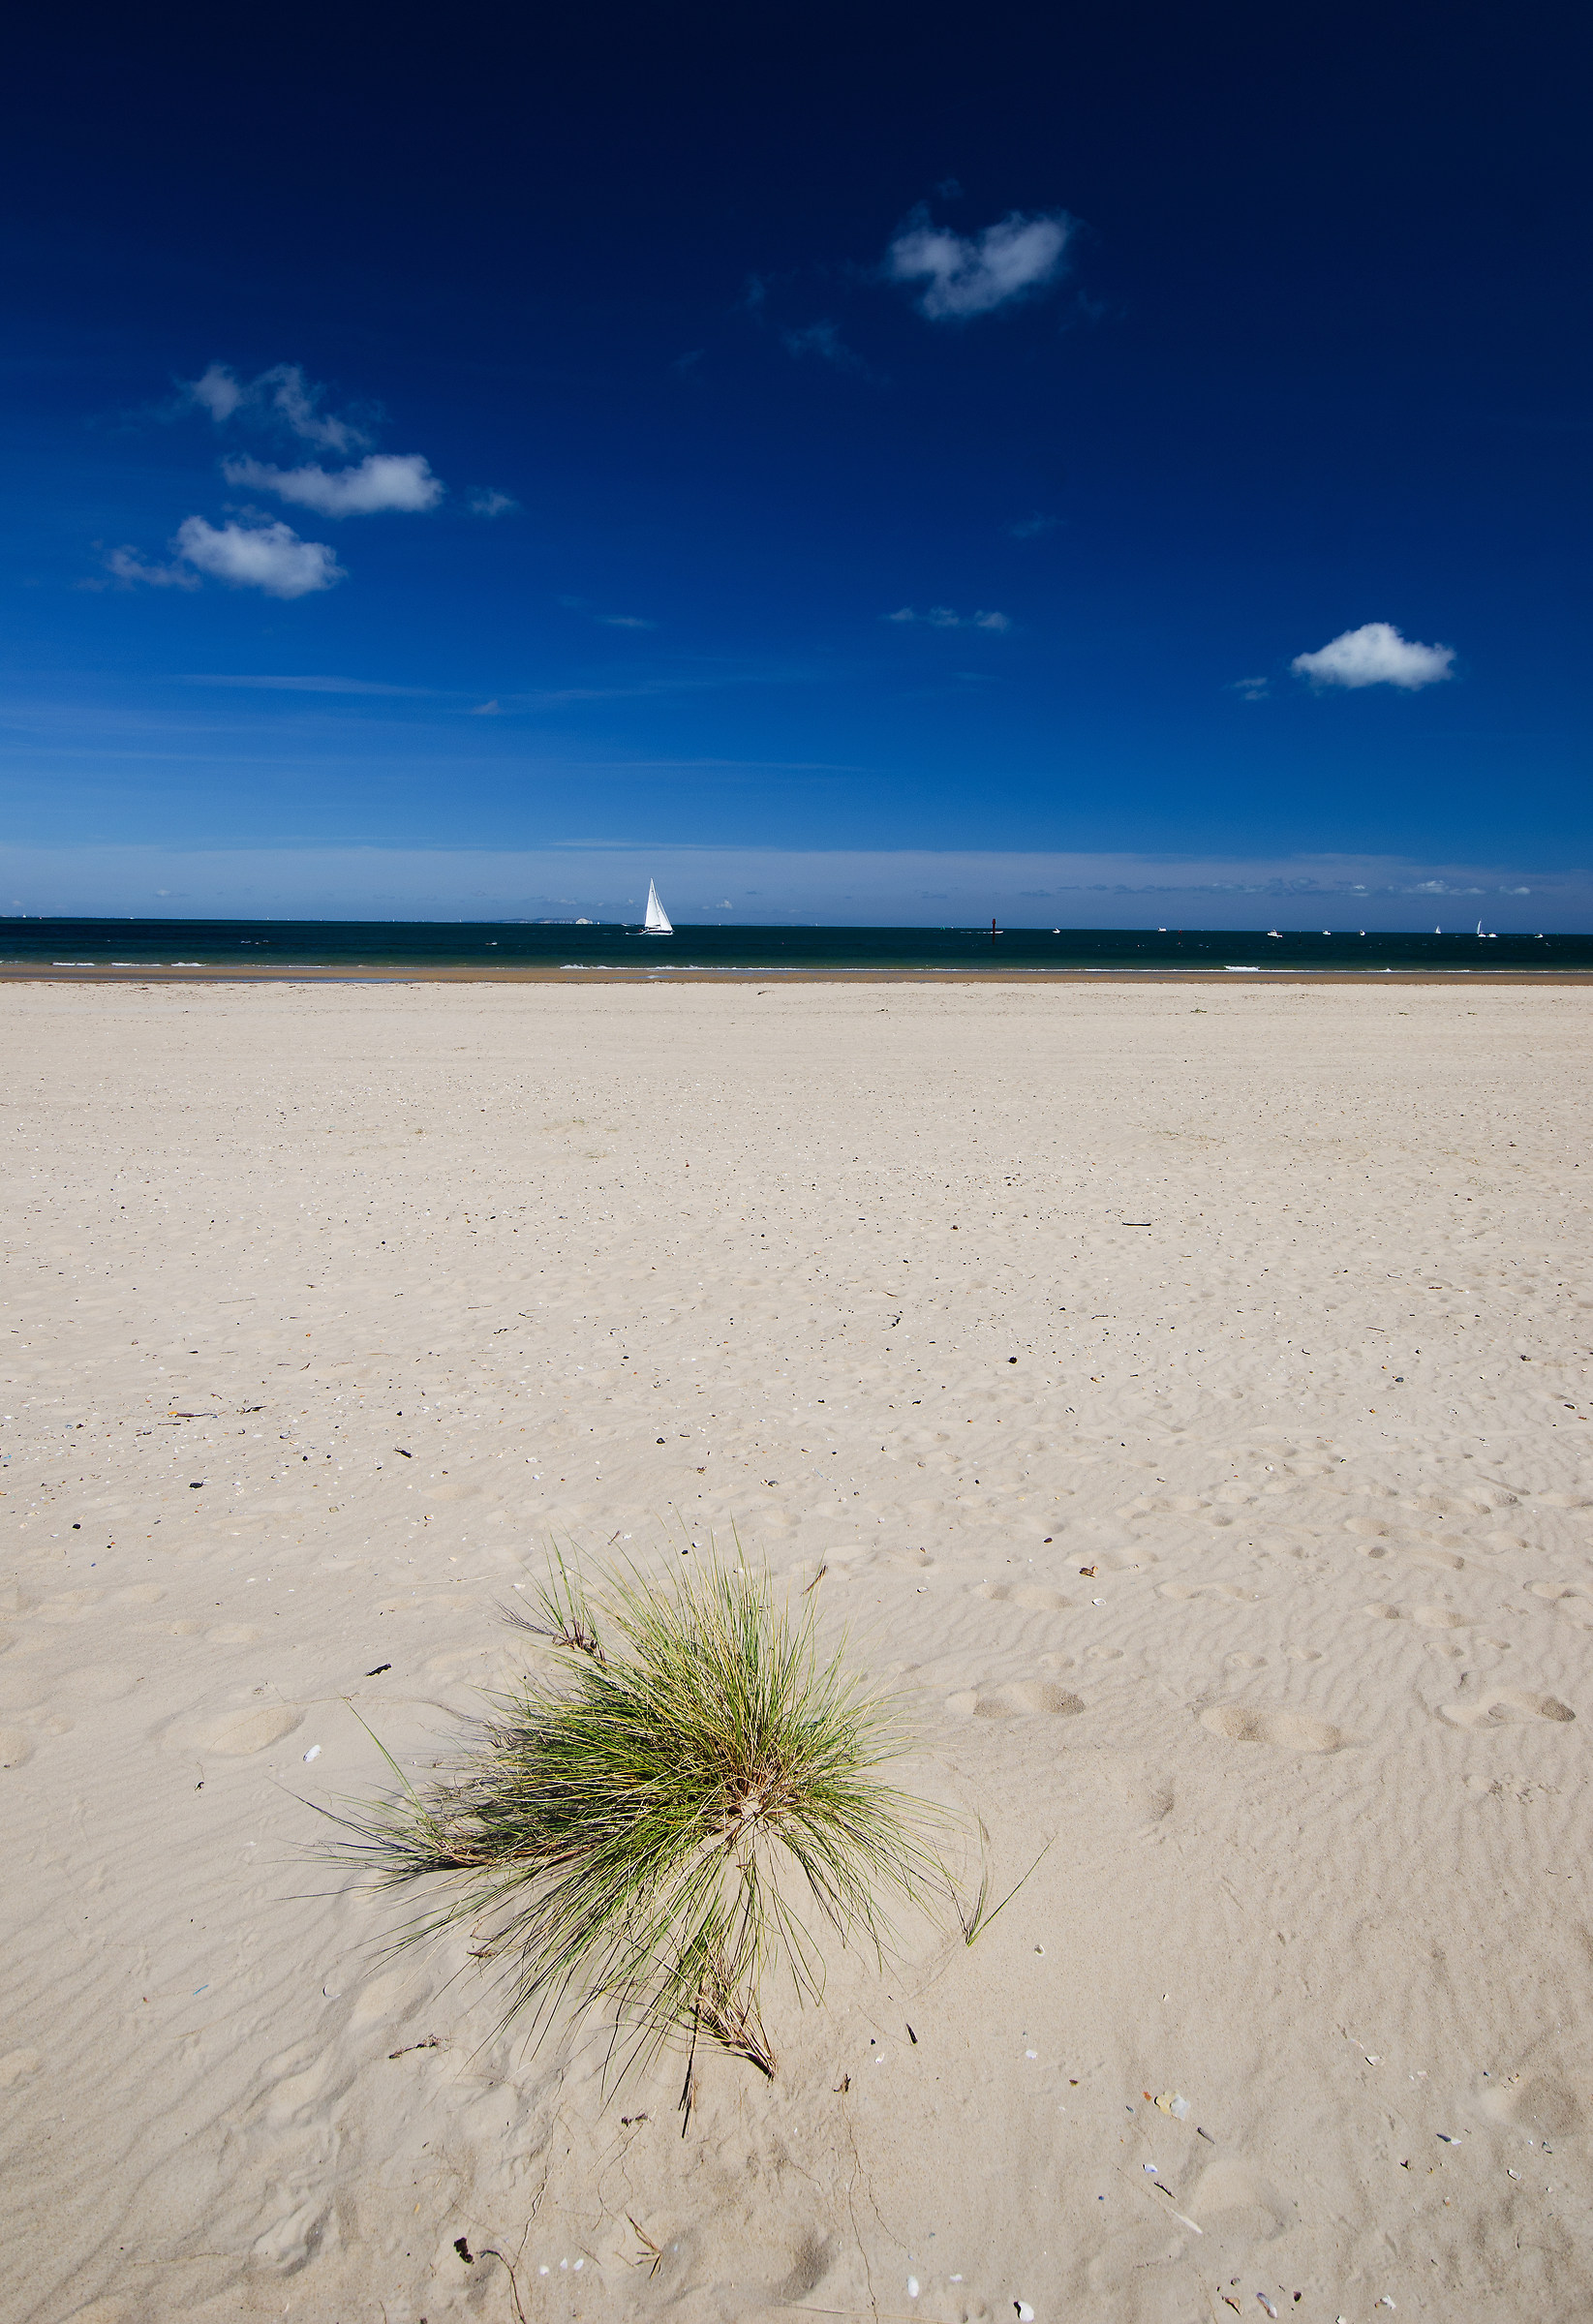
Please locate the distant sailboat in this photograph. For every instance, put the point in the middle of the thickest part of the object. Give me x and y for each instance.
(658, 922)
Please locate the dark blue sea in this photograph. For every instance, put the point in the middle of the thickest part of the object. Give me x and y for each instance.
(493, 948)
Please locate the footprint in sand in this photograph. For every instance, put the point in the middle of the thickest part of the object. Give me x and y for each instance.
(1019, 1698)
(234, 1735)
(1447, 1559)
(1429, 1617)
(1022, 1593)
(1235, 2202)
(1181, 1591)
(1285, 1731)
(16, 1747)
(1566, 1599)
(1540, 2102)
(1245, 1661)
(98, 1682)
(1506, 1707)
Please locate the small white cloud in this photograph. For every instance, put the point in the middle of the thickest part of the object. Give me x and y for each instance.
(381, 481)
(297, 401)
(488, 709)
(267, 557)
(1375, 655)
(973, 274)
(128, 567)
(219, 391)
(625, 620)
(943, 617)
(1249, 689)
(1030, 528)
(487, 502)
(283, 392)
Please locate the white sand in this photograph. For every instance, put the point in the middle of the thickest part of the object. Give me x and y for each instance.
(1302, 1731)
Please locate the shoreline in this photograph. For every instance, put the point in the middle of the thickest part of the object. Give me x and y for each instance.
(574, 978)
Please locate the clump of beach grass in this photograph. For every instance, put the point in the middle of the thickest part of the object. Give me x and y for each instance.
(686, 1803)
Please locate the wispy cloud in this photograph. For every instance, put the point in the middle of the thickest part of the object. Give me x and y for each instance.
(822, 339)
(1375, 655)
(381, 481)
(1249, 689)
(1030, 528)
(127, 565)
(608, 620)
(267, 557)
(943, 617)
(964, 275)
(271, 682)
(486, 502)
(283, 394)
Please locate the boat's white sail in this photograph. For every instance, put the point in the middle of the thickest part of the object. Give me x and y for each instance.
(658, 922)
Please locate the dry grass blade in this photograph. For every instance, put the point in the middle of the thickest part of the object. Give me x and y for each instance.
(977, 1920)
(689, 1802)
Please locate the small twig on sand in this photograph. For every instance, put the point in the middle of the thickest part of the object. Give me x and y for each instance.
(431, 2042)
(817, 1578)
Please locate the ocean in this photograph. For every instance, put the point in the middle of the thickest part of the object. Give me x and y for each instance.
(354, 948)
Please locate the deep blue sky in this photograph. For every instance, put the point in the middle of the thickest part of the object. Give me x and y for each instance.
(1317, 355)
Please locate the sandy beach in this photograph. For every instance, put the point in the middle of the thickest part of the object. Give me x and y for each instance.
(1184, 1397)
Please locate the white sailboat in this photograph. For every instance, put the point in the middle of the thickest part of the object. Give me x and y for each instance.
(658, 922)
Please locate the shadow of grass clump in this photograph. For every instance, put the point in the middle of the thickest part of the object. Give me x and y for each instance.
(684, 1806)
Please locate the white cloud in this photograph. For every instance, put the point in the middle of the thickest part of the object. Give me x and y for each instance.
(942, 617)
(1249, 689)
(973, 274)
(485, 502)
(284, 392)
(267, 557)
(382, 480)
(1375, 655)
(625, 620)
(219, 391)
(1030, 528)
(128, 567)
(297, 403)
